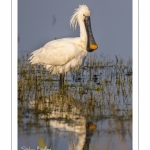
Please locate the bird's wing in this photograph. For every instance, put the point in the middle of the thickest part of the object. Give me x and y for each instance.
(57, 52)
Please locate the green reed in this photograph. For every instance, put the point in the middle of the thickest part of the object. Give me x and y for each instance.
(100, 88)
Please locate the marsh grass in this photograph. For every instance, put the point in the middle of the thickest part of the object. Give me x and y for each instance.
(100, 89)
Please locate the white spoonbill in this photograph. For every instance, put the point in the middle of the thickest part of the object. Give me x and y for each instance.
(66, 54)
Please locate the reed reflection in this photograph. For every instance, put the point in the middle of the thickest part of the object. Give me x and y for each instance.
(93, 110)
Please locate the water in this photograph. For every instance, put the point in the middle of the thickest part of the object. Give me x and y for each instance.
(93, 110)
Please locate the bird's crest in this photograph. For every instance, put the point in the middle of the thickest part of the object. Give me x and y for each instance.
(82, 9)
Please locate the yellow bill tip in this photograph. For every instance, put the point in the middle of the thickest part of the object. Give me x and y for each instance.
(92, 127)
(93, 46)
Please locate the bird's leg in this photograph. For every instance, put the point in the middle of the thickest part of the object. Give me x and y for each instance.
(61, 82)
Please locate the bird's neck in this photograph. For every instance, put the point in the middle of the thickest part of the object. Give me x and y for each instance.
(83, 34)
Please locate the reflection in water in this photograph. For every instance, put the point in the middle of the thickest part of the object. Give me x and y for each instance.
(67, 121)
(93, 111)
(58, 116)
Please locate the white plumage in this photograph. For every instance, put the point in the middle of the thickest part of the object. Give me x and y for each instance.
(62, 55)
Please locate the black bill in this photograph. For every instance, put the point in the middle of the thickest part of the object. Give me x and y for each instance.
(91, 44)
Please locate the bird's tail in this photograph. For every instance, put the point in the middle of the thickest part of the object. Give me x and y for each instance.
(34, 58)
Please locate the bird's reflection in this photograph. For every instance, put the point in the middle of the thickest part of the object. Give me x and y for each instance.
(67, 116)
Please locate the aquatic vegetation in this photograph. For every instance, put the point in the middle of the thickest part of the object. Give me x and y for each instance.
(101, 89)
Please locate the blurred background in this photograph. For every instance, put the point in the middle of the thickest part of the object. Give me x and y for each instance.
(40, 21)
